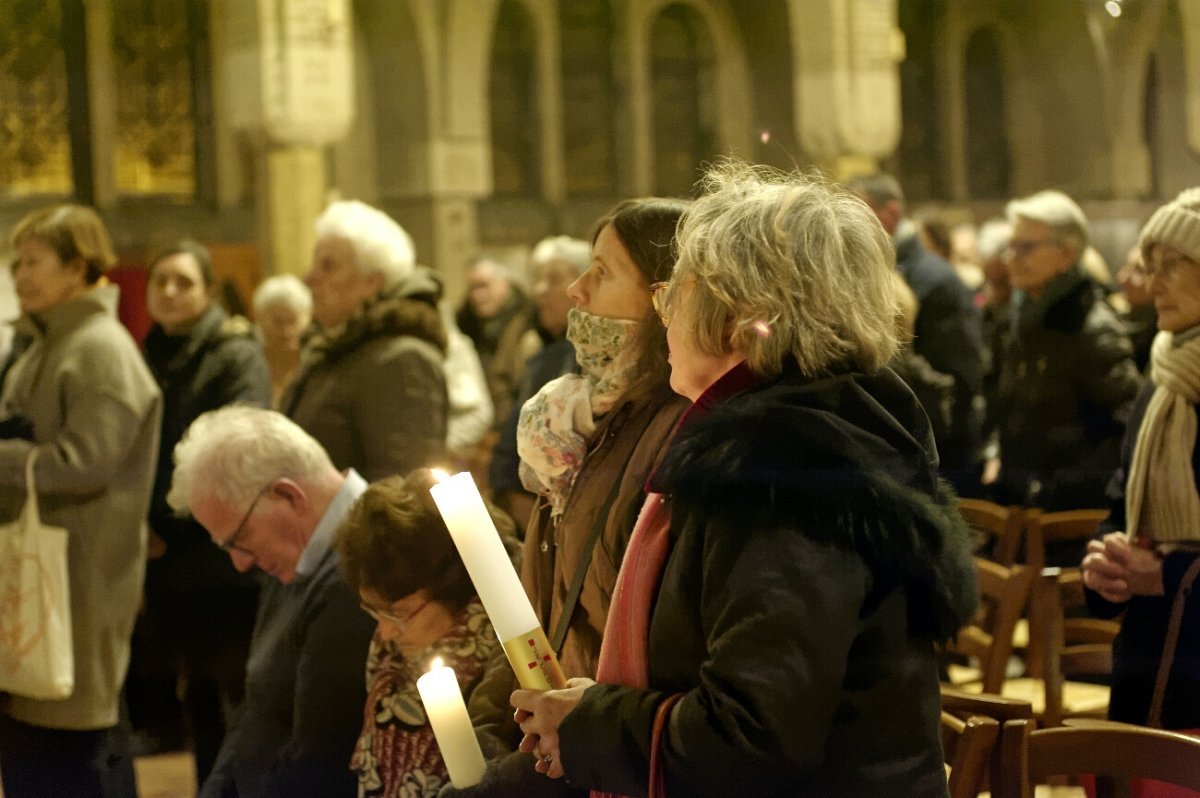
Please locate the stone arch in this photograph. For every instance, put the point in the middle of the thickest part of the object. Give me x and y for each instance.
(1171, 127)
(988, 161)
(385, 154)
(513, 103)
(732, 92)
(590, 116)
(681, 85)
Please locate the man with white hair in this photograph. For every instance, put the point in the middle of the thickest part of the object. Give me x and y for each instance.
(1066, 376)
(269, 495)
(371, 386)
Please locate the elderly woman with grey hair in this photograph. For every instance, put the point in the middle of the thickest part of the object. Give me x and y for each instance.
(773, 626)
(371, 387)
(282, 312)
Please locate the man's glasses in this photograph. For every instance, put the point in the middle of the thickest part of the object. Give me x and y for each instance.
(230, 543)
(386, 615)
(658, 298)
(1023, 249)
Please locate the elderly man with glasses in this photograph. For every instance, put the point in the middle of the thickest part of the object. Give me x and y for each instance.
(1066, 375)
(269, 495)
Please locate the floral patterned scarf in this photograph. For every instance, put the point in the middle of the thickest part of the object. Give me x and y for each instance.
(397, 754)
(556, 425)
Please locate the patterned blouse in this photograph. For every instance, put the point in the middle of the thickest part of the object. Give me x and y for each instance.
(397, 755)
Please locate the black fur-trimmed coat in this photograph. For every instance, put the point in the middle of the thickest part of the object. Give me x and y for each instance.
(815, 560)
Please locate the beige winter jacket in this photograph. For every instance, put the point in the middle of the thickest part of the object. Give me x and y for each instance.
(95, 413)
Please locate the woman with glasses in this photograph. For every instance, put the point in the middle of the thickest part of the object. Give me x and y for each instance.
(396, 552)
(587, 442)
(1145, 561)
(82, 401)
(773, 627)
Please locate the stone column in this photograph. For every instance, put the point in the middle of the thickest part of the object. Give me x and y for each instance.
(1189, 12)
(847, 84)
(291, 87)
(102, 105)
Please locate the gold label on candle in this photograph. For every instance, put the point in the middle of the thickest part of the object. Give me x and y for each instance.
(534, 662)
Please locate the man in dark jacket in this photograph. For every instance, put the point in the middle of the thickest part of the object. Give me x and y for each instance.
(947, 330)
(269, 495)
(1066, 373)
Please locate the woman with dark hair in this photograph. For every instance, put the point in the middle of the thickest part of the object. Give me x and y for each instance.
(81, 400)
(397, 554)
(587, 443)
(199, 610)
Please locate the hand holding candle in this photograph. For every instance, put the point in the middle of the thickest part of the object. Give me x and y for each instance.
(496, 581)
(451, 725)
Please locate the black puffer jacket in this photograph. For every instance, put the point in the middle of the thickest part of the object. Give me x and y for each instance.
(815, 558)
(1066, 383)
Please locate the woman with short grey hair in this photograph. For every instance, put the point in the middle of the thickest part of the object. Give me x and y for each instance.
(282, 312)
(797, 559)
(371, 385)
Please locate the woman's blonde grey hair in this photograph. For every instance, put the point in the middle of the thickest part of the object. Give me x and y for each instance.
(786, 267)
(236, 451)
(284, 290)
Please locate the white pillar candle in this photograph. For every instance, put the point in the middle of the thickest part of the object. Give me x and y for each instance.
(496, 582)
(451, 725)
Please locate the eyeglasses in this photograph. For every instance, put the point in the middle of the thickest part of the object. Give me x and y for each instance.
(1164, 268)
(658, 298)
(230, 543)
(390, 617)
(1023, 249)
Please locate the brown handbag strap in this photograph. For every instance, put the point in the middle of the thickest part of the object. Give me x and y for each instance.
(662, 717)
(1169, 643)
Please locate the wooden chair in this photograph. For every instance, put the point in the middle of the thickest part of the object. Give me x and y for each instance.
(998, 535)
(988, 638)
(1064, 646)
(997, 529)
(1048, 529)
(1110, 751)
(1083, 650)
(968, 746)
(965, 707)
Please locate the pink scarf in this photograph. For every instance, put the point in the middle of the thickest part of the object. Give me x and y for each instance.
(624, 658)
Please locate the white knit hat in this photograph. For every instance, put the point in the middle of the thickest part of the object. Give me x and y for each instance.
(1176, 224)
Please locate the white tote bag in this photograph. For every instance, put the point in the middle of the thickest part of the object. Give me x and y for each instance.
(36, 658)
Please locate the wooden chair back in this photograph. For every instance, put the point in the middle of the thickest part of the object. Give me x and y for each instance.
(1044, 530)
(1108, 750)
(997, 529)
(968, 746)
(1070, 648)
(1004, 591)
(965, 707)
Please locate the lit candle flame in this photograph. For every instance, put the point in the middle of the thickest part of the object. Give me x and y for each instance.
(436, 664)
(439, 475)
